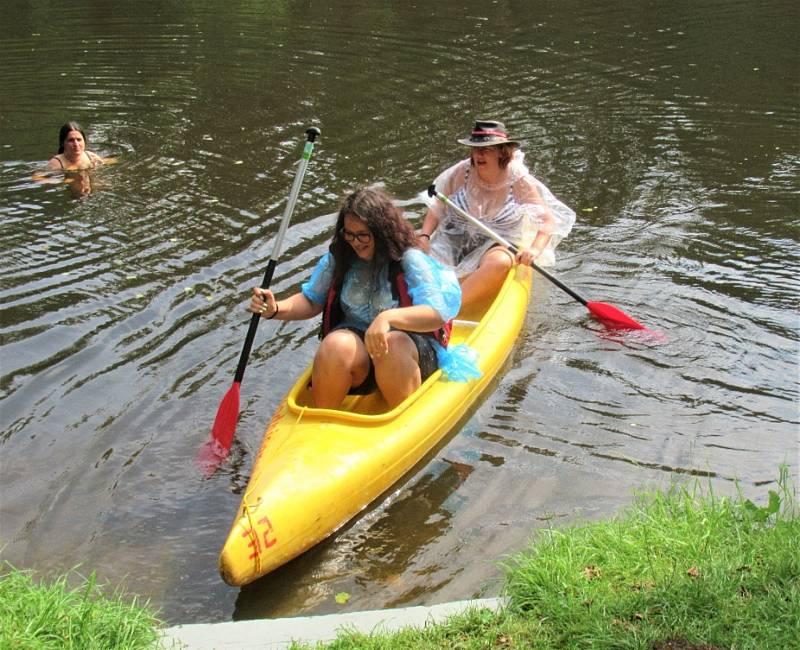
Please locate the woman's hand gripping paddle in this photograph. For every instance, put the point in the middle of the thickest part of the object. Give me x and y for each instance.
(605, 313)
(216, 449)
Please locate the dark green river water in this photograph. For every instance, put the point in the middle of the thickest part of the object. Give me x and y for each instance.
(670, 128)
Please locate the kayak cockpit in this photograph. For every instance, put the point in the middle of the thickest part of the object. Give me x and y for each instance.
(372, 408)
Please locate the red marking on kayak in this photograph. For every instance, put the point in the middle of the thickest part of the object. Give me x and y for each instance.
(269, 529)
(254, 543)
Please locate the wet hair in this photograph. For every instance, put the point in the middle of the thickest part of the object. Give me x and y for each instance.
(64, 132)
(392, 233)
(505, 151)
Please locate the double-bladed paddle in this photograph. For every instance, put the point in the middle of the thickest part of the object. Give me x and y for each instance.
(605, 313)
(216, 449)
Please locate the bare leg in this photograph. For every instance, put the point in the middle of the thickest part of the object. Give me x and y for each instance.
(340, 363)
(397, 371)
(486, 281)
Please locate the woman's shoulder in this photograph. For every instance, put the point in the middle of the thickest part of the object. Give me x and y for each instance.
(55, 162)
(429, 281)
(526, 187)
(413, 256)
(416, 262)
(456, 171)
(323, 266)
(524, 179)
(317, 285)
(462, 167)
(326, 260)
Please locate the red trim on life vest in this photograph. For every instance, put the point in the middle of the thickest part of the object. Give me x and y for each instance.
(326, 313)
(442, 334)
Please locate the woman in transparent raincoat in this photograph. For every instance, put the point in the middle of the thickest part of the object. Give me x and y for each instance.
(495, 186)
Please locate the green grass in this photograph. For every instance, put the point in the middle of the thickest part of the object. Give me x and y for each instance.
(684, 567)
(49, 616)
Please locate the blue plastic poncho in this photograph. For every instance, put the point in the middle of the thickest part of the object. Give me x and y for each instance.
(367, 291)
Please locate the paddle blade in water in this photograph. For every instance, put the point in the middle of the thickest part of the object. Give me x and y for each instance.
(210, 457)
(215, 451)
(612, 316)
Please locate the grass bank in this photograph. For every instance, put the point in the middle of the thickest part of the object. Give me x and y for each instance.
(676, 571)
(40, 616)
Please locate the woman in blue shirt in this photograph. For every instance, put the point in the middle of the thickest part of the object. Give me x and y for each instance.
(369, 336)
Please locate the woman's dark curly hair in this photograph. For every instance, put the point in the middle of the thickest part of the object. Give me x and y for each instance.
(392, 233)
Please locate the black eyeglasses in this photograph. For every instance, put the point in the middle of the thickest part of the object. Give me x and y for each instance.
(363, 237)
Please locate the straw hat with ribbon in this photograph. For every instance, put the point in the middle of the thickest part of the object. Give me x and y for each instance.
(488, 133)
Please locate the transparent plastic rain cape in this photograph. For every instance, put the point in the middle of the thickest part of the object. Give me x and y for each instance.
(511, 208)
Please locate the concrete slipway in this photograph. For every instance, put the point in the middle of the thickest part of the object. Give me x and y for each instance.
(278, 633)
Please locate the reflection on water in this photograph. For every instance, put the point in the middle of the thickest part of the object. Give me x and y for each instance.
(670, 130)
(79, 184)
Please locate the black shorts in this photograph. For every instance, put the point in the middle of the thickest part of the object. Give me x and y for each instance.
(428, 361)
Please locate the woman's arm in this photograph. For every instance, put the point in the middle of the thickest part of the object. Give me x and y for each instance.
(429, 224)
(100, 160)
(448, 182)
(306, 303)
(295, 307)
(527, 193)
(417, 318)
(433, 284)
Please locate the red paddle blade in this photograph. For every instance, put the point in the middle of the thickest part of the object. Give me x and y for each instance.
(227, 416)
(612, 316)
(215, 451)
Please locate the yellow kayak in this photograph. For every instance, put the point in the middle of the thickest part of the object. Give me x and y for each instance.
(317, 468)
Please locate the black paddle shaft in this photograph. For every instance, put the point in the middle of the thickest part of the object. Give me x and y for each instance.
(311, 135)
(559, 284)
(251, 331)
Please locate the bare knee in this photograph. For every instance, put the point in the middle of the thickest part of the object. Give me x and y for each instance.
(340, 347)
(397, 372)
(497, 261)
(341, 362)
(486, 281)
